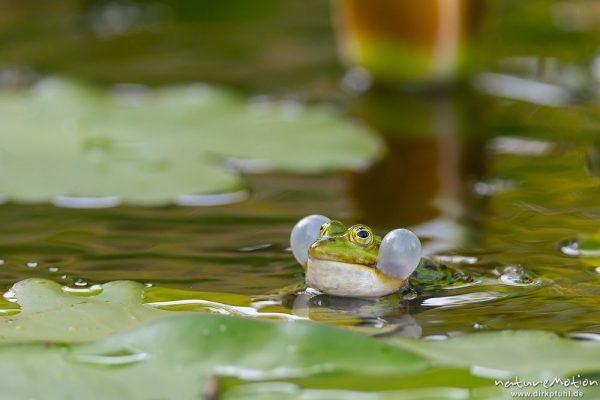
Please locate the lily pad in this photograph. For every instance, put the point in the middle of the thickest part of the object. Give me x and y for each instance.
(182, 357)
(48, 313)
(81, 146)
(185, 355)
(506, 354)
(197, 355)
(43, 310)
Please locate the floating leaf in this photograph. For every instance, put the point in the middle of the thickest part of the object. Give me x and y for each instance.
(504, 354)
(48, 313)
(83, 147)
(181, 357)
(176, 357)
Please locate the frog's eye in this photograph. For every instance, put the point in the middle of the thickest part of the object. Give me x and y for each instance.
(399, 253)
(304, 234)
(361, 235)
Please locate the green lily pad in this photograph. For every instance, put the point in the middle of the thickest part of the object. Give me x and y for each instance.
(506, 354)
(81, 146)
(48, 313)
(42, 310)
(182, 357)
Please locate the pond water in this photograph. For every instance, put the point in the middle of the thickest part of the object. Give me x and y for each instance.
(496, 188)
(492, 199)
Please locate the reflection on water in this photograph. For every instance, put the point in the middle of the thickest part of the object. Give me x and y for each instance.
(370, 316)
(436, 154)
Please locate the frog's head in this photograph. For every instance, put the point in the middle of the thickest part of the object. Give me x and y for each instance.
(355, 245)
(335, 256)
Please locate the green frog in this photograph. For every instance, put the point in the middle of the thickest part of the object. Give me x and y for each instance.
(354, 262)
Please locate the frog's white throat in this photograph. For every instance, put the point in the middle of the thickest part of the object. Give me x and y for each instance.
(349, 280)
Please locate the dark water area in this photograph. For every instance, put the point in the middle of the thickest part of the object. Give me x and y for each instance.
(495, 187)
(270, 46)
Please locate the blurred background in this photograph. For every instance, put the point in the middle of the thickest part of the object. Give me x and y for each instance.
(176, 143)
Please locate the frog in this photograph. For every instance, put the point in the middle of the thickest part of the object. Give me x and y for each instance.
(355, 262)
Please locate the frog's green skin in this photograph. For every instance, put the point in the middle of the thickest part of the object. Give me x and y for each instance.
(335, 244)
(340, 263)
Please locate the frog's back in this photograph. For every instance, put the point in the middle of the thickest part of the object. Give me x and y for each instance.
(433, 274)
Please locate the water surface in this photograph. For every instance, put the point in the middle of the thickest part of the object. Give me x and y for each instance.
(493, 185)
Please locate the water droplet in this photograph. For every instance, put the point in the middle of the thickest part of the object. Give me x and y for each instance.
(53, 269)
(80, 282)
(2, 262)
(516, 275)
(31, 264)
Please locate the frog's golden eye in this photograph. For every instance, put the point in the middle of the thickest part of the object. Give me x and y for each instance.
(361, 235)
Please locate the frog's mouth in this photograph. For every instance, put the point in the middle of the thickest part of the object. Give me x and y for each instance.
(330, 261)
(359, 258)
(316, 254)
